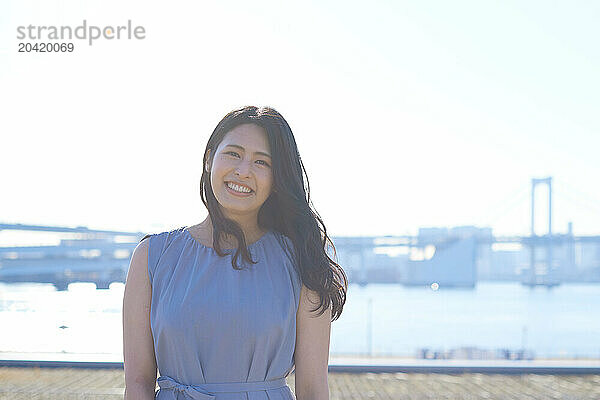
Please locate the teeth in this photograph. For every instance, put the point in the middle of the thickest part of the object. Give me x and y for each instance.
(238, 188)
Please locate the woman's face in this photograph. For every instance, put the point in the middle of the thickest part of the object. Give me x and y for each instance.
(243, 159)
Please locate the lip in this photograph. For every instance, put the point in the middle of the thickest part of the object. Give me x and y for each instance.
(238, 194)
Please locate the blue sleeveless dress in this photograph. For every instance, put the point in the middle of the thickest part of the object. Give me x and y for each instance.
(220, 333)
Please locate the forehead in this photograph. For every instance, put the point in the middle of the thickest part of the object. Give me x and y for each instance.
(247, 135)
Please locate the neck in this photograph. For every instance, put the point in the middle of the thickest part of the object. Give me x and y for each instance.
(252, 232)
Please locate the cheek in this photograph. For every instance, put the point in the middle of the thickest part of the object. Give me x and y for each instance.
(218, 164)
(220, 167)
(269, 183)
(216, 177)
(266, 177)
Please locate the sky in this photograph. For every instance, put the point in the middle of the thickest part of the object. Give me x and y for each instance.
(406, 114)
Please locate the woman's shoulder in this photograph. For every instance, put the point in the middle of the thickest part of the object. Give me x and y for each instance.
(164, 237)
(288, 251)
(169, 232)
(161, 245)
(286, 244)
(282, 239)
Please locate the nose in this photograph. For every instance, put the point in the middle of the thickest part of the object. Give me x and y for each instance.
(243, 168)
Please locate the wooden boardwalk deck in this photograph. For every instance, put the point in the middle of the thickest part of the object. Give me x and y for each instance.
(18, 383)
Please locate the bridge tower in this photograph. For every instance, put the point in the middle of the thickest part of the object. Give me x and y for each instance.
(542, 240)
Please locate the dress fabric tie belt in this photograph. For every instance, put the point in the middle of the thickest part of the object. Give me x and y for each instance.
(203, 391)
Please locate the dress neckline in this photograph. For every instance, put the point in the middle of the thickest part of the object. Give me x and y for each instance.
(193, 239)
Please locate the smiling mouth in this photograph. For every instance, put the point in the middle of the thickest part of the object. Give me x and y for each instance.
(238, 188)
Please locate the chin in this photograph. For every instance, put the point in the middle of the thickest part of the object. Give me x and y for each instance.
(237, 208)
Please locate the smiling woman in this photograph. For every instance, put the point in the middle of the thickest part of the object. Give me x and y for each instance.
(235, 324)
(240, 160)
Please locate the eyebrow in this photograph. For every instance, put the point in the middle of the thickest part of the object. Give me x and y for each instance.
(241, 148)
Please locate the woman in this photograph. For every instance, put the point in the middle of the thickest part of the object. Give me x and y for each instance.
(226, 308)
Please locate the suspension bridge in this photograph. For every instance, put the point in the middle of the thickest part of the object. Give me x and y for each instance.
(450, 257)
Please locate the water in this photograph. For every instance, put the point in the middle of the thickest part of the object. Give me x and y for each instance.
(561, 322)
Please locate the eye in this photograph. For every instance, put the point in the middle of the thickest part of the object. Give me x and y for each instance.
(264, 162)
(232, 152)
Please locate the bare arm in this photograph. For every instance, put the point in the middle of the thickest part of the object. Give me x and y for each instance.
(138, 347)
(312, 349)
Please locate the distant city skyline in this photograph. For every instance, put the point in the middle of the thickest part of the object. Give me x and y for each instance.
(458, 256)
(406, 115)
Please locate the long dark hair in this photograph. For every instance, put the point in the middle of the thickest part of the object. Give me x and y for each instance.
(288, 210)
